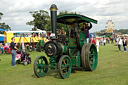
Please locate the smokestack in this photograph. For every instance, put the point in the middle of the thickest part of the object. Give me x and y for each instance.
(53, 10)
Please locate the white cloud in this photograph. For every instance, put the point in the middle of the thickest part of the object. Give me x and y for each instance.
(16, 12)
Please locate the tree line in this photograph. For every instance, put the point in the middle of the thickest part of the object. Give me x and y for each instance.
(120, 31)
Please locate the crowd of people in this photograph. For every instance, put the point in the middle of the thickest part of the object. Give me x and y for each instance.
(120, 41)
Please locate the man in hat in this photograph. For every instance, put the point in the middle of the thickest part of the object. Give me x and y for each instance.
(72, 31)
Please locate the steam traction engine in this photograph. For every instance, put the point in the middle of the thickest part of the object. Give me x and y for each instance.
(63, 56)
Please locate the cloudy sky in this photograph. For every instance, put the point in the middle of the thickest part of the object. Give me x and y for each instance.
(16, 12)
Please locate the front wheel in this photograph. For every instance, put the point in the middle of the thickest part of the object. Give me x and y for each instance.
(64, 66)
(40, 66)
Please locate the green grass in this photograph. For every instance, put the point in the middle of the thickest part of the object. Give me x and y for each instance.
(112, 70)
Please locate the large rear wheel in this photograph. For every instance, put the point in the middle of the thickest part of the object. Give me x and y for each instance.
(89, 56)
(40, 66)
(64, 66)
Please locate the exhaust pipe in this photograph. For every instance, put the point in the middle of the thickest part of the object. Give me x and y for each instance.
(53, 11)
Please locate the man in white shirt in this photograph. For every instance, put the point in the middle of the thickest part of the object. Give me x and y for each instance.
(97, 45)
(119, 44)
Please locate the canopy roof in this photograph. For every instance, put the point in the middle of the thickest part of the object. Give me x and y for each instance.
(73, 18)
(25, 31)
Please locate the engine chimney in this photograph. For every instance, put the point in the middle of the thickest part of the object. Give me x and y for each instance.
(53, 10)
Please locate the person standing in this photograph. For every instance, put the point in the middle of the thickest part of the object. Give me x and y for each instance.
(115, 39)
(125, 44)
(13, 51)
(97, 45)
(104, 41)
(86, 29)
(1, 48)
(101, 41)
(119, 44)
(108, 40)
(72, 32)
(93, 41)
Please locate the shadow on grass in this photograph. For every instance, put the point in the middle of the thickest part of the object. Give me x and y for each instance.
(55, 73)
(116, 50)
(34, 76)
(74, 69)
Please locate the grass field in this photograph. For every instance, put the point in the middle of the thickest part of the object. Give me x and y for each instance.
(112, 70)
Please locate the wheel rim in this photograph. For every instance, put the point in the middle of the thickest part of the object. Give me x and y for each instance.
(93, 57)
(65, 67)
(41, 66)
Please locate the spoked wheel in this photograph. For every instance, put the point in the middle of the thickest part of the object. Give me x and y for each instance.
(29, 61)
(64, 66)
(40, 66)
(18, 62)
(89, 57)
(25, 63)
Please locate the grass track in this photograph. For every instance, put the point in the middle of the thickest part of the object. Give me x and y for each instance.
(112, 70)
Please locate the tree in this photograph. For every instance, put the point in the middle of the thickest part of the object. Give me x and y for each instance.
(41, 19)
(66, 12)
(48, 26)
(3, 25)
(1, 15)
